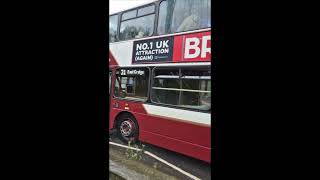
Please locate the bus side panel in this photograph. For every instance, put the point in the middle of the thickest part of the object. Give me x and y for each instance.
(193, 150)
(183, 131)
(175, 126)
(181, 137)
(172, 135)
(186, 138)
(112, 117)
(184, 125)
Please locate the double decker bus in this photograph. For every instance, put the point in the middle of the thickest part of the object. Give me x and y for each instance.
(160, 75)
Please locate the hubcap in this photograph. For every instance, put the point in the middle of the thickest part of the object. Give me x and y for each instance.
(126, 127)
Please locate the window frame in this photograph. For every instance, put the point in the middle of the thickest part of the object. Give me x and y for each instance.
(177, 106)
(132, 100)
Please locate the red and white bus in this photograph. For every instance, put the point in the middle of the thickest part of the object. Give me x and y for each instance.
(160, 75)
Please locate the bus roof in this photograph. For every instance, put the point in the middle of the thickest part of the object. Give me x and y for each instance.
(116, 6)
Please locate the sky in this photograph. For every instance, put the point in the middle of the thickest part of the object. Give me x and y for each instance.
(119, 5)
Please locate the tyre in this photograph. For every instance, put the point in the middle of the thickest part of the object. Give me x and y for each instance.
(127, 128)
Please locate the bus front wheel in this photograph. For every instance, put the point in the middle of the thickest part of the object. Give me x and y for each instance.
(127, 128)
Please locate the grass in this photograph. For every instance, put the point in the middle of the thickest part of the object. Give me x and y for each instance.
(133, 154)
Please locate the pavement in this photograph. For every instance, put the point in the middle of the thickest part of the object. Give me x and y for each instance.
(133, 169)
(150, 168)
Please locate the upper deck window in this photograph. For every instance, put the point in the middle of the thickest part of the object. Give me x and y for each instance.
(146, 10)
(183, 15)
(113, 26)
(137, 25)
(129, 15)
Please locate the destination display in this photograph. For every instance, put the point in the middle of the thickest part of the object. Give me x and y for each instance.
(130, 72)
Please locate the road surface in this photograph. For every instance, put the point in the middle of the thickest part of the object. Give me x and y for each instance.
(193, 166)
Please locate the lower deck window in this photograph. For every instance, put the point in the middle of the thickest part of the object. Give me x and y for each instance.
(190, 88)
(132, 83)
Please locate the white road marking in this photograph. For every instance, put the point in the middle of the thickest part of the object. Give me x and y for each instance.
(116, 144)
(171, 165)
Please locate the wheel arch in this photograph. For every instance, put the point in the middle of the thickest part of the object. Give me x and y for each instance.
(117, 118)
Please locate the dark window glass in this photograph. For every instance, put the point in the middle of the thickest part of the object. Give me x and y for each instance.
(137, 28)
(132, 87)
(113, 26)
(129, 15)
(167, 78)
(183, 15)
(189, 88)
(146, 10)
(196, 88)
(165, 96)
